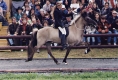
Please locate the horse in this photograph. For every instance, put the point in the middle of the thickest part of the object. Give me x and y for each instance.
(49, 34)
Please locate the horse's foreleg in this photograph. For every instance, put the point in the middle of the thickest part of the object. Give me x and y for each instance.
(67, 53)
(88, 48)
(48, 45)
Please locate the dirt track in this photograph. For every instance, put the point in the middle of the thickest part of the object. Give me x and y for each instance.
(44, 65)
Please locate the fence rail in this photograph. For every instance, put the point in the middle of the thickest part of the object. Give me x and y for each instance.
(58, 47)
(86, 35)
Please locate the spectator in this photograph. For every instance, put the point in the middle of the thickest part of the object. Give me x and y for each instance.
(97, 18)
(37, 10)
(2, 18)
(90, 29)
(112, 19)
(25, 4)
(4, 7)
(29, 22)
(12, 30)
(52, 11)
(116, 7)
(47, 17)
(70, 13)
(45, 23)
(40, 3)
(84, 3)
(80, 8)
(99, 3)
(95, 8)
(74, 5)
(106, 9)
(111, 2)
(41, 15)
(114, 27)
(91, 13)
(24, 29)
(30, 3)
(103, 28)
(64, 12)
(52, 1)
(32, 12)
(67, 3)
(90, 5)
(36, 24)
(27, 10)
(19, 13)
(47, 6)
(34, 16)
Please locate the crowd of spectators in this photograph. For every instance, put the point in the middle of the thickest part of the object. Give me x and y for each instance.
(40, 14)
(3, 11)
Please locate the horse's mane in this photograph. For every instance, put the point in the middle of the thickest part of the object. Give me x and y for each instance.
(75, 19)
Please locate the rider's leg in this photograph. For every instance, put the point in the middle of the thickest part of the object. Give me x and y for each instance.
(63, 38)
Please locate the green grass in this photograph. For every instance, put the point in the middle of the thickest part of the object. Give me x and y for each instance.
(75, 53)
(61, 76)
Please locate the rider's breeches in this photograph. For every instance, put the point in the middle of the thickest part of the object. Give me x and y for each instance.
(63, 30)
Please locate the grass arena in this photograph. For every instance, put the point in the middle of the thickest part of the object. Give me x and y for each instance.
(93, 66)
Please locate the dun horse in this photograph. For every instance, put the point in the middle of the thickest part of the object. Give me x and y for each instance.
(49, 34)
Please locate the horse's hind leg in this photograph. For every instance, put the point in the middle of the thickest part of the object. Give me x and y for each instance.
(67, 53)
(88, 48)
(48, 45)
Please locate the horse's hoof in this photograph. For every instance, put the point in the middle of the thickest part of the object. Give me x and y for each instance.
(87, 51)
(26, 61)
(57, 63)
(65, 63)
(29, 59)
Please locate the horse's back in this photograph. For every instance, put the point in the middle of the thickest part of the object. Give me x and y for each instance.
(49, 34)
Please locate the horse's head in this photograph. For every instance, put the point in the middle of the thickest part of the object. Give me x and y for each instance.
(88, 20)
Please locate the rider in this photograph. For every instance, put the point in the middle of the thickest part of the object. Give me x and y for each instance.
(58, 15)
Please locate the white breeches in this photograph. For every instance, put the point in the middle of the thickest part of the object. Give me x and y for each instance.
(63, 30)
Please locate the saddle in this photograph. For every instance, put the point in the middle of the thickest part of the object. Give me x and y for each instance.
(60, 34)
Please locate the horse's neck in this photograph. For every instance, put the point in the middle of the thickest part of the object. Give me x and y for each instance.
(78, 27)
(79, 24)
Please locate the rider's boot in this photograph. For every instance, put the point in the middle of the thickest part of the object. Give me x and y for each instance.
(63, 41)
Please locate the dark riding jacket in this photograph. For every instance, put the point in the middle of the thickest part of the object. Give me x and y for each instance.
(58, 15)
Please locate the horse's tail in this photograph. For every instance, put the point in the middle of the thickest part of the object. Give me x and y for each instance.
(34, 39)
(31, 46)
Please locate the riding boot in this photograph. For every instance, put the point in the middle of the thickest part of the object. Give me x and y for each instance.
(63, 42)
